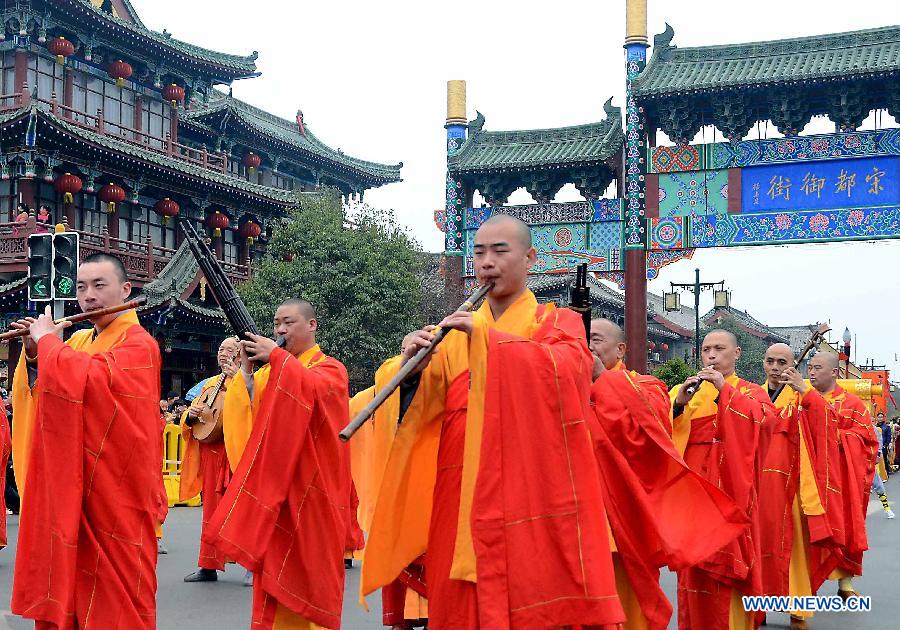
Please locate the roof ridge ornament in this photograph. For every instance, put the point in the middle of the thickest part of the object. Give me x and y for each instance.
(611, 110)
(664, 40)
(476, 125)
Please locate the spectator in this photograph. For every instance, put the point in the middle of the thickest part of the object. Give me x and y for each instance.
(43, 218)
(21, 218)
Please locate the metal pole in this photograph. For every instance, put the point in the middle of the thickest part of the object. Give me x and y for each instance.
(59, 311)
(697, 320)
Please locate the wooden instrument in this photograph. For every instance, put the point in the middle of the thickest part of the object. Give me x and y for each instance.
(408, 368)
(207, 426)
(80, 317)
(819, 333)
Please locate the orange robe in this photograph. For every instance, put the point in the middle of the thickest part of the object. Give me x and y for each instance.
(859, 452)
(87, 549)
(492, 472)
(204, 471)
(5, 449)
(284, 514)
(660, 512)
(724, 435)
(800, 499)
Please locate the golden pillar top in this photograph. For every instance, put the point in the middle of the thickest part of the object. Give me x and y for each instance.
(635, 22)
(456, 102)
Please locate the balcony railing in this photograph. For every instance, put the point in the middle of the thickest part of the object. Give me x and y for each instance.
(214, 161)
(143, 260)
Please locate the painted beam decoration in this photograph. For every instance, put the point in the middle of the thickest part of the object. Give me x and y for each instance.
(833, 187)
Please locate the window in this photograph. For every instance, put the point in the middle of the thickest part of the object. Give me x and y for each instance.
(47, 75)
(92, 219)
(134, 224)
(231, 246)
(7, 201)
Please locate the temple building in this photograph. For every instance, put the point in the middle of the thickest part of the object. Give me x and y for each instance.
(121, 132)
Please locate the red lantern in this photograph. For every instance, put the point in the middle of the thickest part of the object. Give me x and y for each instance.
(173, 93)
(166, 208)
(218, 221)
(111, 195)
(252, 161)
(120, 70)
(250, 231)
(664, 347)
(651, 345)
(62, 48)
(67, 185)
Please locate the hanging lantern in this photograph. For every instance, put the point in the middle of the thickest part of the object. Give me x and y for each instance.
(111, 195)
(664, 347)
(62, 48)
(651, 345)
(218, 221)
(67, 185)
(250, 230)
(120, 70)
(174, 93)
(166, 208)
(251, 161)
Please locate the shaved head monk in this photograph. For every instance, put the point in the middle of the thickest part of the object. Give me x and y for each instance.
(801, 516)
(858, 453)
(5, 450)
(659, 511)
(87, 421)
(204, 465)
(721, 424)
(286, 512)
(494, 447)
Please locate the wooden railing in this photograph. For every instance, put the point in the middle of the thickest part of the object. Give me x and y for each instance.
(143, 260)
(214, 161)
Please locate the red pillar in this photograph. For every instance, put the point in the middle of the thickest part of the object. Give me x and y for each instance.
(68, 92)
(21, 70)
(636, 309)
(173, 123)
(25, 189)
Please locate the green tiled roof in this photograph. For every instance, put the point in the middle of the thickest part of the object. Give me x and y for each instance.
(236, 65)
(514, 150)
(674, 70)
(286, 131)
(275, 195)
(173, 280)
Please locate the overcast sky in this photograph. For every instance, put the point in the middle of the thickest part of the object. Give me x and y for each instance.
(371, 76)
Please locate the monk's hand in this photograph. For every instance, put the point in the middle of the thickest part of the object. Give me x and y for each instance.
(713, 376)
(258, 348)
(684, 397)
(598, 368)
(794, 379)
(415, 341)
(230, 369)
(29, 344)
(459, 320)
(44, 325)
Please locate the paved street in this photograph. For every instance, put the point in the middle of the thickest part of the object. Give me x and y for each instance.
(226, 604)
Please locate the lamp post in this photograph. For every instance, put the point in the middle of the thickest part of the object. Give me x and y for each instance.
(672, 303)
(846, 339)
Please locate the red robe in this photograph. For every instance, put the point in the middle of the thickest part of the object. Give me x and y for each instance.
(87, 548)
(660, 512)
(859, 451)
(284, 514)
(727, 447)
(816, 420)
(5, 449)
(534, 552)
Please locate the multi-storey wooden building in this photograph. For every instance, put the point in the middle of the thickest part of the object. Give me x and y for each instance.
(120, 132)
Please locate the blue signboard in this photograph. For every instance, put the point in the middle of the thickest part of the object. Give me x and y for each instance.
(821, 185)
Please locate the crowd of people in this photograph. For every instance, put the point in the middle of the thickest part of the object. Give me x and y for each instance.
(520, 477)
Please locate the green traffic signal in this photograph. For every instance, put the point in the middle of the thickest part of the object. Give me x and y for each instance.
(40, 267)
(65, 264)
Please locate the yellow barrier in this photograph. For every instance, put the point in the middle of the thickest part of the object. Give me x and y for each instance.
(173, 454)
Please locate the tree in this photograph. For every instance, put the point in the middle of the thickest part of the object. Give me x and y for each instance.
(361, 273)
(674, 372)
(753, 350)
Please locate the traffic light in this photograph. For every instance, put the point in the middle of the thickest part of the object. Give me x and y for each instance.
(40, 267)
(65, 265)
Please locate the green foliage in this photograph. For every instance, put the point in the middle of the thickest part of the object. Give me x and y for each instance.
(360, 272)
(674, 372)
(753, 351)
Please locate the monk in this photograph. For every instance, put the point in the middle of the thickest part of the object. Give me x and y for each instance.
(856, 466)
(285, 513)
(89, 409)
(492, 471)
(403, 602)
(5, 449)
(660, 512)
(800, 506)
(721, 429)
(204, 467)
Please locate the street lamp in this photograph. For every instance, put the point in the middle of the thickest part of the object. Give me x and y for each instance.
(721, 301)
(846, 339)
